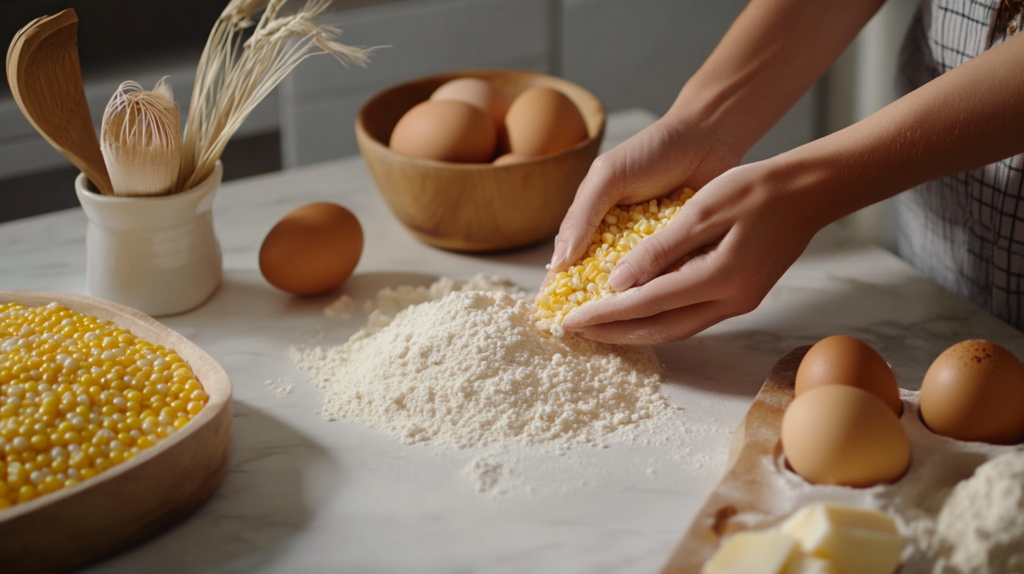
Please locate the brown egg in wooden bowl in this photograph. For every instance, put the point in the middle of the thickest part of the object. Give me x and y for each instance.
(482, 206)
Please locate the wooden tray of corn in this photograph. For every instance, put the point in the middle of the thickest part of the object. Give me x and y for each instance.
(94, 502)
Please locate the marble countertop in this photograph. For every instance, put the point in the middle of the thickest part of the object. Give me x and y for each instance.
(305, 495)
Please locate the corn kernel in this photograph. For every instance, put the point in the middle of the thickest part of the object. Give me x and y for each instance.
(71, 391)
(26, 493)
(621, 230)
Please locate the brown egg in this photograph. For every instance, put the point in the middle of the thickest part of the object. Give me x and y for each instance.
(510, 158)
(312, 249)
(445, 130)
(836, 434)
(476, 92)
(842, 360)
(974, 391)
(543, 121)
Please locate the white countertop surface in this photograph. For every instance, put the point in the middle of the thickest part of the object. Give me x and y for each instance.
(306, 495)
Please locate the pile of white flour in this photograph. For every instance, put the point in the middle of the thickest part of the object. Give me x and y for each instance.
(464, 365)
(981, 526)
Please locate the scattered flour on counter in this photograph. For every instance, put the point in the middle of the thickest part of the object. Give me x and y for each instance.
(464, 365)
(342, 307)
(280, 388)
(490, 476)
(981, 525)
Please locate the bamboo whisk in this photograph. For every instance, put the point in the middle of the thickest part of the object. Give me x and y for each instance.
(140, 139)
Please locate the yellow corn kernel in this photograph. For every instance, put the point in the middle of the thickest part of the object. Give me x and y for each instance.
(58, 371)
(621, 230)
(26, 493)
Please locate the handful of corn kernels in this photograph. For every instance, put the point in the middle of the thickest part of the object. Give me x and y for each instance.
(621, 230)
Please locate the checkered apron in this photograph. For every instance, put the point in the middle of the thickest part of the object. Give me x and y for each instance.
(965, 231)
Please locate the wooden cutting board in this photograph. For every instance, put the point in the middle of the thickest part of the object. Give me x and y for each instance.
(134, 500)
(758, 491)
(744, 488)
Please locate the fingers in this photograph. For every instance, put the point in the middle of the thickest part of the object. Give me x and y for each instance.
(686, 235)
(547, 279)
(701, 223)
(673, 325)
(594, 198)
(694, 283)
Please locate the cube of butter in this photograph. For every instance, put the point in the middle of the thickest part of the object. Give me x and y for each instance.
(855, 540)
(754, 552)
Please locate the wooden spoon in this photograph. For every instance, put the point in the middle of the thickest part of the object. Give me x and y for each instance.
(46, 81)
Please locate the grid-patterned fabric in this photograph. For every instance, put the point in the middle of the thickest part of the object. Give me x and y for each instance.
(965, 231)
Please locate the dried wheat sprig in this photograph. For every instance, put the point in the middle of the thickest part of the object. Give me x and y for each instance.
(235, 75)
(140, 138)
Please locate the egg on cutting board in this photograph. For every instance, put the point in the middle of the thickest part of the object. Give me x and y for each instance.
(974, 391)
(843, 360)
(312, 250)
(838, 434)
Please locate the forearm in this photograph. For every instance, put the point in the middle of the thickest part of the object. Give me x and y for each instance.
(774, 52)
(966, 118)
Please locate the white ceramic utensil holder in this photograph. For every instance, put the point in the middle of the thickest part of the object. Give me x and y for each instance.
(157, 254)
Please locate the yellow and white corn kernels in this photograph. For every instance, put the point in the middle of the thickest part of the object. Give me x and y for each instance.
(619, 232)
(79, 395)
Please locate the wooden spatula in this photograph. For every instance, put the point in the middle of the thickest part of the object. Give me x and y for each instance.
(46, 81)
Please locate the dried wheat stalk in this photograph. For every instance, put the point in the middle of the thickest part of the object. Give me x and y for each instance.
(235, 75)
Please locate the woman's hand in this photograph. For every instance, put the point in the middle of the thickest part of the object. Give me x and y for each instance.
(745, 229)
(747, 225)
(666, 156)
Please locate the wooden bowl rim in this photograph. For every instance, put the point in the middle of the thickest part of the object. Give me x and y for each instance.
(381, 148)
(217, 385)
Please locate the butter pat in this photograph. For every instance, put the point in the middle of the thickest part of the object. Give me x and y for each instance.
(754, 552)
(855, 540)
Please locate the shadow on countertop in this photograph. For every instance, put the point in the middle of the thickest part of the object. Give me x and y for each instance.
(276, 478)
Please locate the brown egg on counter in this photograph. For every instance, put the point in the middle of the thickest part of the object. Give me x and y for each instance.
(445, 130)
(476, 92)
(838, 434)
(312, 249)
(543, 121)
(843, 360)
(974, 391)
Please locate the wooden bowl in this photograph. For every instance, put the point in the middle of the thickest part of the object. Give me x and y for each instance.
(476, 206)
(139, 498)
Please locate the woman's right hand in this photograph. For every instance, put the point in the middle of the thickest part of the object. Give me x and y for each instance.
(668, 155)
